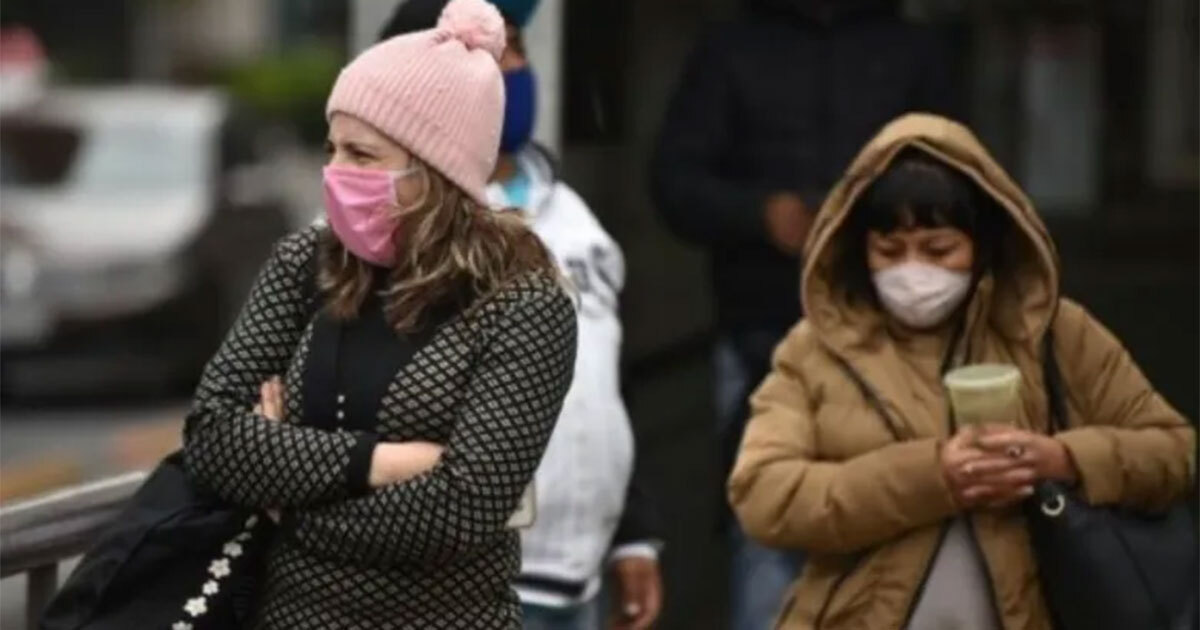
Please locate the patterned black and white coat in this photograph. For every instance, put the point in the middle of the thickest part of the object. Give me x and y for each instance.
(432, 552)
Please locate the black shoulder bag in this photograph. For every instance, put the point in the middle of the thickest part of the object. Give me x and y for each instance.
(1104, 567)
(176, 558)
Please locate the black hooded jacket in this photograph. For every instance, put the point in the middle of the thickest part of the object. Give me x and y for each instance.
(782, 100)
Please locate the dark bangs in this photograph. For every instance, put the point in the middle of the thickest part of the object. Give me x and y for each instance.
(916, 191)
(919, 191)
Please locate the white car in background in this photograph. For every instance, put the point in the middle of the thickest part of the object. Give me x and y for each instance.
(126, 243)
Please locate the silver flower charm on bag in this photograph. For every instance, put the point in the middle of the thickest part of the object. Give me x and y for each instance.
(219, 568)
(196, 607)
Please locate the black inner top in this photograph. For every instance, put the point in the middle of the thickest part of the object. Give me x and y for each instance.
(351, 364)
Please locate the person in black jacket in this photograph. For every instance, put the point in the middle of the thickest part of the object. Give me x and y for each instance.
(769, 112)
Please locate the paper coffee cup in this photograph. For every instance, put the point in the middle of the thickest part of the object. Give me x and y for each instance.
(985, 393)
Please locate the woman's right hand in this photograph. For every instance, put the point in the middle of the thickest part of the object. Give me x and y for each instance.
(394, 462)
(978, 478)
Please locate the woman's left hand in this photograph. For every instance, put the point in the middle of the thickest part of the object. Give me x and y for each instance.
(1045, 455)
(270, 405)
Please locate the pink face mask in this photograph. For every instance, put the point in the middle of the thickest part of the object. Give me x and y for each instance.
(359, 204)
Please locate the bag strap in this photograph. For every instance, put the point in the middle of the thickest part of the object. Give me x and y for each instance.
(871, 397)
(1052, 380)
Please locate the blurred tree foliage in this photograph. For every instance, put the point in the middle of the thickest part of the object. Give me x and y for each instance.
(290, 87)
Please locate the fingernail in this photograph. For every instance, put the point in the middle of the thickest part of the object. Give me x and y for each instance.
(1027, 491)
(632, 609)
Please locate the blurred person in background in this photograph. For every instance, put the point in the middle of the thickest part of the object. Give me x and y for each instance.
(591, 513)
(927, 256)
(769, 111)
(396, 429)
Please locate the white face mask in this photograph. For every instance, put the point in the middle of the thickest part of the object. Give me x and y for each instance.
(919, 294)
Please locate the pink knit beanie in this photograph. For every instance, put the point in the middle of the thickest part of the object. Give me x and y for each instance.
(439, 92)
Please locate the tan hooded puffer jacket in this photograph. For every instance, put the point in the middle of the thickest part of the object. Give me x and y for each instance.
(820, 471)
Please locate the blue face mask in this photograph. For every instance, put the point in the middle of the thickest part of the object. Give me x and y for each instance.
(520, 107)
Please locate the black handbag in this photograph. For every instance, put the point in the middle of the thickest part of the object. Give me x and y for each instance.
(1108, 568)
(176, 559)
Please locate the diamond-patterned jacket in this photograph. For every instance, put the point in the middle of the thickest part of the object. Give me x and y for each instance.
(432, 552)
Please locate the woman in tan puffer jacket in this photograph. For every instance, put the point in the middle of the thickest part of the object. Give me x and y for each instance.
(927, 256)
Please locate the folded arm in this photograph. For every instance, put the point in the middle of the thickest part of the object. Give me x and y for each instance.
(464, 502)
(785, 496)
(241, 455)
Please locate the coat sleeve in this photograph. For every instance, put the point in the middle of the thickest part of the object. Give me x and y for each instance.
(697, 200)
(1130, 446)
(463, 503)
(243, 457)
(785, 495)
(640, 521)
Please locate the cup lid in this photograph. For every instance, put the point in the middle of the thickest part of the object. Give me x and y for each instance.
(982, 376)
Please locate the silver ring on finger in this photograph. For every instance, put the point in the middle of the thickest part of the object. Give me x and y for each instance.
(1016, 451)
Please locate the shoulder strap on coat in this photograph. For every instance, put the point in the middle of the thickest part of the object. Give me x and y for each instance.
(1052, 379)
(871, 397)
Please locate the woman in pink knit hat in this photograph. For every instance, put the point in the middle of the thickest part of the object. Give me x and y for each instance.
(391, 383)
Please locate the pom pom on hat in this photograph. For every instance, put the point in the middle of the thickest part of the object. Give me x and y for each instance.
(475, 23)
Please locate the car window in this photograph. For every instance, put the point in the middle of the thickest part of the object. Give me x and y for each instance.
(36, 153)
(132, 157)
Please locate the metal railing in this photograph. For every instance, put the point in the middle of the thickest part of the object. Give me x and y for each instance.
(39, 533)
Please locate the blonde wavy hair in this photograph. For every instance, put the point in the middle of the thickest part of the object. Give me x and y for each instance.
(451, 251)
